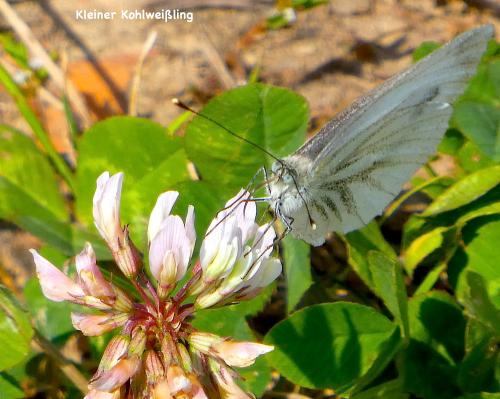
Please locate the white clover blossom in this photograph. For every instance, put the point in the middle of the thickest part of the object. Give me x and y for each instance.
(235, 257)
(157, 352)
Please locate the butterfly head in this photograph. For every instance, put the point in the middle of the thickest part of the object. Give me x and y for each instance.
(284, 173)
(287, 191)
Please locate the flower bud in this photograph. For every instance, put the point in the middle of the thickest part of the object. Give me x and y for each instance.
(90, 277)
(123, 303)
(224, 378)
(127, 256)
(93, 325)
(138, 342)
(115, 350)
(154, 367)
(184, 357)
(239, 354)
(202, 341)
(116, 376)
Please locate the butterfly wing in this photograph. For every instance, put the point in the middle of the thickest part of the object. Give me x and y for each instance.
(358, 162)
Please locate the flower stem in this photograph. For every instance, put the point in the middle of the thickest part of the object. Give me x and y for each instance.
(68, 368)
(145, 297)
(181, 294)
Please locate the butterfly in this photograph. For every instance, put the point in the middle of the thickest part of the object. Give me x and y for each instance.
(355, 166)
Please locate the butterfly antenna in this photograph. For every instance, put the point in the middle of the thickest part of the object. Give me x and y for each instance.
(180, 104)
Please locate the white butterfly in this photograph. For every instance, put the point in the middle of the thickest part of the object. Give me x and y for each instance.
(349, 172)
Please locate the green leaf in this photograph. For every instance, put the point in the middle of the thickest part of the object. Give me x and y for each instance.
(389, 285)
(389, 349)
(52, 319)
(479, 253)
(475, 333)
(454, 219)
(29, 190)
(428, 374)
(430, 279)
(485, 210)
(152, 161)
(465, 190)
(15, 330)
(271, 117)
(424, 50)
(422, 247)
(484, 87)
(297, 270)
(15, 49)
(360, 242)
(388, 390)
(481, 395)
(437, 321)
(477, 370)
(471, 158)
(9, 388)
(478, 304)
(452, 142)
(429, 363)
(37, 128)
(480, 123)
(419, 185)
(329, 345)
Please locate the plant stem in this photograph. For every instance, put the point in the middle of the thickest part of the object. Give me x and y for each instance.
(68, 368)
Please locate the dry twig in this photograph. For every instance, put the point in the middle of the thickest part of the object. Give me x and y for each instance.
(215, 60)
(136, 81)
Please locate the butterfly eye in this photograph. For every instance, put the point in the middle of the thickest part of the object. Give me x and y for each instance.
(276, 167)
(287, 178)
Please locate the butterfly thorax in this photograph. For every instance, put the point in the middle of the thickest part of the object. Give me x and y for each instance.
(288, 184)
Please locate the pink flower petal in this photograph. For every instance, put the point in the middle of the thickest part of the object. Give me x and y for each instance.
(172, 237)
(189, 226)
(161, 211)
(56, 286)
(240, 354)
(91, 278)
(93, 325)
(117, 376)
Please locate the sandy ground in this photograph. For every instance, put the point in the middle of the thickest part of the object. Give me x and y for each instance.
(330, 55)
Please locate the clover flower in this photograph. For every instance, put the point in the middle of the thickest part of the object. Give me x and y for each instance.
(157, 353)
